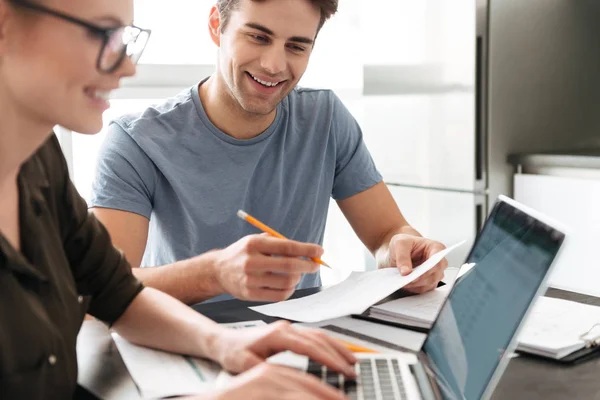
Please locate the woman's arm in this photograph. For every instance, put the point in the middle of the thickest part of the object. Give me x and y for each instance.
(157, 320)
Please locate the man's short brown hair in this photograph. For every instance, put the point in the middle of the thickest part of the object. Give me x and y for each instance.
(327, 8)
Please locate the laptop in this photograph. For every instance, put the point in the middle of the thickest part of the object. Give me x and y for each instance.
(468, 346)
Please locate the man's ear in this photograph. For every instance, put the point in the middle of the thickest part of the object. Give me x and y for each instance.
(214, 25)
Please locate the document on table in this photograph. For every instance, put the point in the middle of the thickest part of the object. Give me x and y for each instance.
(352, 296)
(159, 374)
(100, 368)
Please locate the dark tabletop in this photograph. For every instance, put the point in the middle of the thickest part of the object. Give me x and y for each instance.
(525, 378)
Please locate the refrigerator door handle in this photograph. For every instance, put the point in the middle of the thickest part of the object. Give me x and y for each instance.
(481, 94)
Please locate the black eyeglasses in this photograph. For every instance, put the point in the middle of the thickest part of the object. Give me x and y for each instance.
(117, 42)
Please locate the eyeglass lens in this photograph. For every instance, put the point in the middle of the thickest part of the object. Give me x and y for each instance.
(125, 41)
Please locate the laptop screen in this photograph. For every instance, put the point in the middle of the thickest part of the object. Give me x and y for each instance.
(512, 256)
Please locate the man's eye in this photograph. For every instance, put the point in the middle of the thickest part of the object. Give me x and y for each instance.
(260, 38)
(298, 49)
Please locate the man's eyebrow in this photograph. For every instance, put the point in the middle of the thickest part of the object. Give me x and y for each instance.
(298, 39)
(301, 39)
(259, 27)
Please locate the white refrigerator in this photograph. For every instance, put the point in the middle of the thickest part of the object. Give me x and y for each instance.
(451, 88)
(420, 121)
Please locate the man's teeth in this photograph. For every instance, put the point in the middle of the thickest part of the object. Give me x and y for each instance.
(101, 94)
(264, 83)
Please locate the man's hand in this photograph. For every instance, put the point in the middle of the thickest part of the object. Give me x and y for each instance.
(240, 350)
(248, 269)
(273, 382)
(406, 252)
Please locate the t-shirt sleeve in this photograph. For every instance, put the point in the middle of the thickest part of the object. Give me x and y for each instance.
(355, 169)
(99, 269)
(125, 176)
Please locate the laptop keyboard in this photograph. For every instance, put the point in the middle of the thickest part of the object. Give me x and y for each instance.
(378, 379)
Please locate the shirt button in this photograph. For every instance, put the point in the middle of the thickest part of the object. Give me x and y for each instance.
(52, 359)
(80, 299)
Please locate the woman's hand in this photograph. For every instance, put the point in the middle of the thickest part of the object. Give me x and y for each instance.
(274, 382)
(240, 350)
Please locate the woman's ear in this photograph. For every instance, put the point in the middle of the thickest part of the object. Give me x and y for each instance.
(214, 25)
(3, 24)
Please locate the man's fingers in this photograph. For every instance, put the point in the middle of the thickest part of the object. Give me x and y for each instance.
(269, 280)
(435, 247)
(266, 294)
(284, 247)
(422, 287)
(262, 264)
(428, 281)
(402, 246)
(436, 272)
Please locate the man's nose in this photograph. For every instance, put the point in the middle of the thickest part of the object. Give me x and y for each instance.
(273, 60)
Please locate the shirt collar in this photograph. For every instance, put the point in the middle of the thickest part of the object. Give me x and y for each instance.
(33, 181)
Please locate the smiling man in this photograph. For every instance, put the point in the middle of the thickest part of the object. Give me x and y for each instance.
(170, 180)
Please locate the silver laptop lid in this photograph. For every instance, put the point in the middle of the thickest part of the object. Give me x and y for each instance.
(479, 321)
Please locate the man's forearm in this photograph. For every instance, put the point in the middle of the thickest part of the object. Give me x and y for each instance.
(190, 281)
(382, 252)
(156, 320)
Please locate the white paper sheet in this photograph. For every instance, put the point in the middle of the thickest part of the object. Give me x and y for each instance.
(158, 374)
(352, 296)
(421, 310)
(100, 369)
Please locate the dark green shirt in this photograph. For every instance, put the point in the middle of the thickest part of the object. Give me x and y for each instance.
(66, 255)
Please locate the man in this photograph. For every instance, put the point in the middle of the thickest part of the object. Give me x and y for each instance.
(170, 181)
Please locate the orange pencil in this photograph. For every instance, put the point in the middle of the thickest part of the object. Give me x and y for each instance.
(250, 219)
(356, 348)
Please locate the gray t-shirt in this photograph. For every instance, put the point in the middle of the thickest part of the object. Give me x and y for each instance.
(171, 165)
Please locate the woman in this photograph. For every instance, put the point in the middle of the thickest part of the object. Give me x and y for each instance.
(59, 59)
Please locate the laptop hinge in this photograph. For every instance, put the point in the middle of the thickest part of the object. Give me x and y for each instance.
(425, 378)
(425, 384)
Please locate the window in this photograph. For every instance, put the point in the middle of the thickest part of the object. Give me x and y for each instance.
(180, 35)
(85, 147)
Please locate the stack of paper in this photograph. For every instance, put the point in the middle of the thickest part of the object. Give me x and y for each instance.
(419, 310)
(353, 296)
(555, 327)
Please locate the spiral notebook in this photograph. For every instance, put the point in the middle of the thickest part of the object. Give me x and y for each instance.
(561, 329)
